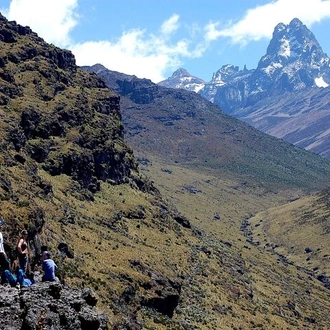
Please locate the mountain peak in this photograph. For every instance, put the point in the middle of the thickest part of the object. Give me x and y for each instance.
(296, 23)
(294, 58)
(179, 73)
(98, 68)
(293, 41)
(181, 78)
(294, 61)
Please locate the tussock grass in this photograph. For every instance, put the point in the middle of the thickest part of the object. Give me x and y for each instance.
(299, 231)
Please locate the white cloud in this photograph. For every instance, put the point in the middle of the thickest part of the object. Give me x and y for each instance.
(170, 25)
(52, 20)
(152, 55)
(260, 21)
(134, 53)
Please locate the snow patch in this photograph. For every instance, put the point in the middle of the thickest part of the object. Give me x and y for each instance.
(320, 82)
(285, 49)
(270, 69)
(198, 87)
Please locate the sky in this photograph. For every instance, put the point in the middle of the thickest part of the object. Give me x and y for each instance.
(153, 38)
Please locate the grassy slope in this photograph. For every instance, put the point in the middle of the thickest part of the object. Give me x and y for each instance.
(299, 231)
(185, 129)
(245, 270)
(205, 171)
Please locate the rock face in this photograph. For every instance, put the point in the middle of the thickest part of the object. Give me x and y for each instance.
(55, 118)
(82, 114)
(49, 305)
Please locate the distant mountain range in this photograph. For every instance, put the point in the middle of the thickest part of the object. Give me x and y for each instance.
(183, 127)
(285, 96)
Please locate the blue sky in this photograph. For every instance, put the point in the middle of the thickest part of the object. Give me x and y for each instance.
(153, 38)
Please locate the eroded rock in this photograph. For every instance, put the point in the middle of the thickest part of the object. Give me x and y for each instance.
(49, 305)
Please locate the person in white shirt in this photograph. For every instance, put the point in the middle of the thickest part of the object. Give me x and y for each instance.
(3, 255)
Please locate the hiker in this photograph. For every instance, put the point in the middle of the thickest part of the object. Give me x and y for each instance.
(23, 251)
(3, 256)
(8, 277)
(48, 266)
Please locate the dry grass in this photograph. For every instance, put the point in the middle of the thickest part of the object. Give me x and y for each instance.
(229, 284)
(235, 274)
(299, 231)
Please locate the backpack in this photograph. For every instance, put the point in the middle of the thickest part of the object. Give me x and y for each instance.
(27, 282)
(22, 280)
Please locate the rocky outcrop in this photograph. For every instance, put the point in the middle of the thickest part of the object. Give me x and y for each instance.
(78, 131)
(49, 306)
(159, 293)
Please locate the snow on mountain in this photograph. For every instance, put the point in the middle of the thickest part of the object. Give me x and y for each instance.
(290, 86)
(294, 61)
(319, 82)
(181, 78)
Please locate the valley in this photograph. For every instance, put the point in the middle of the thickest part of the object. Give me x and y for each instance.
(196, 157)
(174, 214)
(219, 207)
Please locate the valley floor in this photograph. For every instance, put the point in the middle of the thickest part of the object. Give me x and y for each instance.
(285, 294)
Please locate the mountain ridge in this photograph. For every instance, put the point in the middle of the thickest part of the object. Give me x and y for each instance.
(199, 124)
(293, 68)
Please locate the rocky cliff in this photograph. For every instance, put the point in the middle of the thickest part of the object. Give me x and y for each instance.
(55, 119)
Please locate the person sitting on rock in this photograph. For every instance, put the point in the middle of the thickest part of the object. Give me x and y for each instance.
(48, 266)
(8, 277)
